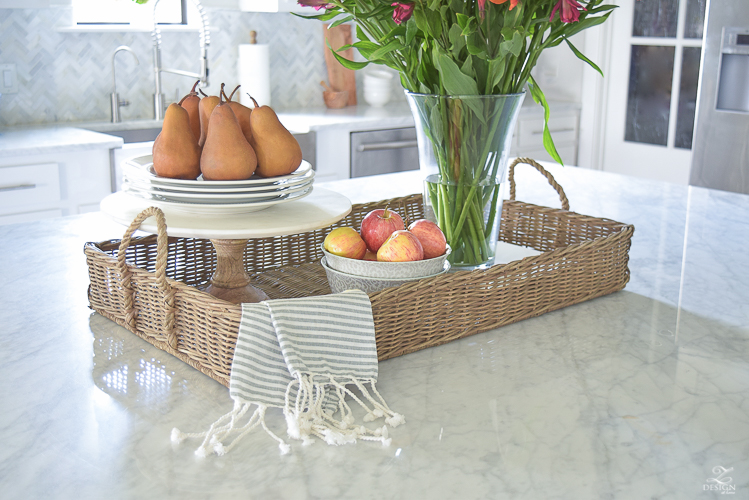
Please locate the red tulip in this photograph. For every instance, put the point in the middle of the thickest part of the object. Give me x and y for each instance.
(569, 10)
(402, 12)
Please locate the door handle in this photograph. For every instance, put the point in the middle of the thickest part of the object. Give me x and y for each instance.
(17, 187)
(378, 146)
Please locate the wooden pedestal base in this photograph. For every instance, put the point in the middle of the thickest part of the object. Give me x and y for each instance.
(230, 281)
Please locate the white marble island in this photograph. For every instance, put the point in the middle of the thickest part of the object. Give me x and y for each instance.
(639, 394)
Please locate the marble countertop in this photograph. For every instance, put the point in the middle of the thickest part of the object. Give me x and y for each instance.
(33, 141)
(643, 393)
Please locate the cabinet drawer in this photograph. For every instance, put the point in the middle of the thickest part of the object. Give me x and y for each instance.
(29, 185)
(531, 131)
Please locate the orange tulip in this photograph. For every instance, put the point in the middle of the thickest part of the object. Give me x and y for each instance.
(513, 3)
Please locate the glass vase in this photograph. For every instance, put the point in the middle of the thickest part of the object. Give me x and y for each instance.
(464, 144)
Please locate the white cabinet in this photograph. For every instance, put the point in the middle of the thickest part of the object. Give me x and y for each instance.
(46, 185)
(564, 125)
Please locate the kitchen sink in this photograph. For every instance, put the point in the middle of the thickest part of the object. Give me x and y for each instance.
(135, 135)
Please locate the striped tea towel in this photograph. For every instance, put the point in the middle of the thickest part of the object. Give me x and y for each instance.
(300, 355)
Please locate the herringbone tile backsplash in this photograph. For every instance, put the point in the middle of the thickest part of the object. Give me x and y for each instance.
(67, 77)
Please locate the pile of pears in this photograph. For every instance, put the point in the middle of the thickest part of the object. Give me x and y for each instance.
(223, 140)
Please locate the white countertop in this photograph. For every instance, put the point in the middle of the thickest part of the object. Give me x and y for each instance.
(638, 394)
(33, 141)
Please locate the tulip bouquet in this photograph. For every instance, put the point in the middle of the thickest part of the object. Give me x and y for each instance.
(450, 54)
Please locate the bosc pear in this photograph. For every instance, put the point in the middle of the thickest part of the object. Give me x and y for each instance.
(191, 103)
(205, 108)
(227, 156)
(242, 113)
(176, 153)
(278, 152)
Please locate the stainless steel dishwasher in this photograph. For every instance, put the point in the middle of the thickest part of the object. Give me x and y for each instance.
(383, 151)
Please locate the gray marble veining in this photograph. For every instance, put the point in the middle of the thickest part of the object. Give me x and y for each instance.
(639, 394)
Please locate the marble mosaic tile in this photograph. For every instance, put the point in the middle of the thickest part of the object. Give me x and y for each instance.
(67, 77)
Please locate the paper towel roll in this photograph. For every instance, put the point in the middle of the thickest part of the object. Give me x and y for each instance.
(254, 74)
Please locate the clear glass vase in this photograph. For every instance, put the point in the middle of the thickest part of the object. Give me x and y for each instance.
(464, 143)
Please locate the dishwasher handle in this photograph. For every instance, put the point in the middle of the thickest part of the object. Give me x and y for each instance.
(379, 146)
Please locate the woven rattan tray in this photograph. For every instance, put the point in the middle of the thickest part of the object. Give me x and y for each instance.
(152, 285)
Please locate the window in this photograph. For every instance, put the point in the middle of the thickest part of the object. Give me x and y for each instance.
(128, 12)
(666, 45)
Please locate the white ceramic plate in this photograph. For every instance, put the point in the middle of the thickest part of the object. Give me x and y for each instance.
(211, 198)
(204, 187)
(230, 208)
(143, 167)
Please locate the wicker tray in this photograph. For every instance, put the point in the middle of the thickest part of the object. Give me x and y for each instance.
(151, 285)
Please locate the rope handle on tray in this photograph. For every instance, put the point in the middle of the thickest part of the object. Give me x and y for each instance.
(162, 252)
(549, 177)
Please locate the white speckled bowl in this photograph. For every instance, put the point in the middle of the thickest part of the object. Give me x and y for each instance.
(394, 270)
(340, 282)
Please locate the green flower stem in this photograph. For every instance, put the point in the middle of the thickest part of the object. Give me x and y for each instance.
(478, 223)
(492, 212)
(473, 241)
(445, 211)
(463, 213)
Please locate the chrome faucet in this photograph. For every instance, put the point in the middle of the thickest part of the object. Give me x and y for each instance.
(158, 96)
(114, 97)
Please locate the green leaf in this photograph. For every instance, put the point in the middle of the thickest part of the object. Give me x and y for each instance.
(420, 18)
(411, 30)
(467, 68)
(602, 8)
(354, 65)
(340, 21)
(539, 97)
(512, 46)
(496, 71)
(457, 41)
(463, 21)
(475, 44)
(581, 56)
(455, 82)
(583, 24)
(390, 47)
(434, 21)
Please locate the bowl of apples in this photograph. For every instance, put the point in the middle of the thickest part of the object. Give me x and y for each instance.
(384, 249)
(340, 282)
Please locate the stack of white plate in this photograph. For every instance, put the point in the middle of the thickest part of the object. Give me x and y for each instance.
(214, 197)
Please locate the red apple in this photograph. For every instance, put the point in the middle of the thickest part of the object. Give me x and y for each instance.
(345, 242)
(401, 246)
(430, 236)
(370, 255)
(378, 225)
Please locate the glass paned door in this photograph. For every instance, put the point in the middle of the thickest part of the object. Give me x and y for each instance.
(652, 85)
(649, 95)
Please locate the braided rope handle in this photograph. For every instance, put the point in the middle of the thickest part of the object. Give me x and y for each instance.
(549, 177)
(162, 252)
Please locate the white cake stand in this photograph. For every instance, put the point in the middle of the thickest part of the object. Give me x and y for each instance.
(229, 233)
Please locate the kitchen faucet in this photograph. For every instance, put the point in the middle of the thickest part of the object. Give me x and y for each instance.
(114, 98)
(158, 96)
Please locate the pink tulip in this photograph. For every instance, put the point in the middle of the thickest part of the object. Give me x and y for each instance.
(402, 12)
(569, 10)
(317, 4)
